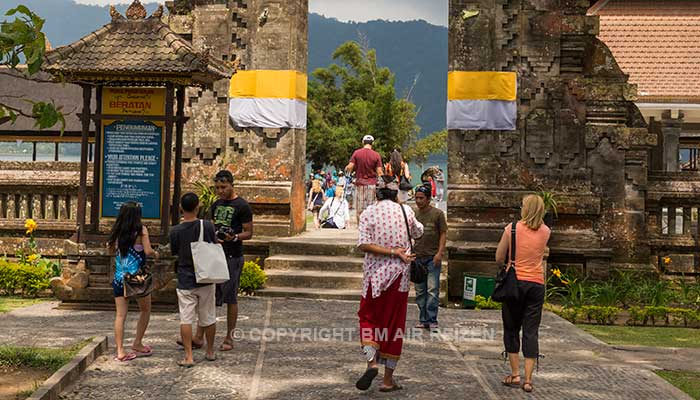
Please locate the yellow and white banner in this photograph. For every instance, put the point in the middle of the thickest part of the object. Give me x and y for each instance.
(479, 100)
(268, 99)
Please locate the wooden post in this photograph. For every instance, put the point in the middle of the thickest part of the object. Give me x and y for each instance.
(97, 165)
(179, 128)
(167, 164)
(82, 193)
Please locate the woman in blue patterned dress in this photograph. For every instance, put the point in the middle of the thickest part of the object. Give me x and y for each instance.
(130, 242)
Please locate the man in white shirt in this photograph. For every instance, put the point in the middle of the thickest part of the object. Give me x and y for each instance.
(337, 208)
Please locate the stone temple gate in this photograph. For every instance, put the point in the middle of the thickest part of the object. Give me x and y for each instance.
(578, 135)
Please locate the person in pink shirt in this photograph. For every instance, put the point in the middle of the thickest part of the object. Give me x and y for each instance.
(531, 237)
(384, 238)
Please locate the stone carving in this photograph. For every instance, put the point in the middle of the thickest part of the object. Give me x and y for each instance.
(136, 11)
(539, 135)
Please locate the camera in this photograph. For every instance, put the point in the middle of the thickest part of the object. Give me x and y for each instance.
(223, 232)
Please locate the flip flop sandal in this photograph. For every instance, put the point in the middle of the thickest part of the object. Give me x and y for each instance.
(393, 388)
(185, 364)
(366, 379)
(422, 326)
(147, 353)
(212, 358)
(127, 357)
(194, 345)
(530, 387)
(224, 348)
(510, 381)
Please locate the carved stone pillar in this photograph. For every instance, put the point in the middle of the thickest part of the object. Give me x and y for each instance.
(671, 132)
(579, 135)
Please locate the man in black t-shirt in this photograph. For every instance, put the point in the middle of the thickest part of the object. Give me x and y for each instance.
(196, 301)
(233, 219)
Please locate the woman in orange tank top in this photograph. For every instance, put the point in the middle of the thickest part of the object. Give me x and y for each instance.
(531, 236)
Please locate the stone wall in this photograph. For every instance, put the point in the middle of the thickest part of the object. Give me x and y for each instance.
(268, 164)
(578, 135)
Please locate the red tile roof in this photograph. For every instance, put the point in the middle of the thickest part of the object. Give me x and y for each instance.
(657, 43)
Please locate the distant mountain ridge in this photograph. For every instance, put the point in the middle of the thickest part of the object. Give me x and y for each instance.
(413, 50)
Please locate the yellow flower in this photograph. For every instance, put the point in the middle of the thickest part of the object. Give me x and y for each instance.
(564, 281)
(31, 225)
(32, 257)
(556, 272)
(667, 260)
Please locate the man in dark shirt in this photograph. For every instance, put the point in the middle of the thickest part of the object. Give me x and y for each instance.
(367, 165)
(196, 301)
(429, 250)
(233, 219)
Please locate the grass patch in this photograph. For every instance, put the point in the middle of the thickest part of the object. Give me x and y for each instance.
(687, 381)
(9, 303)
(645, 335)
(31, 357)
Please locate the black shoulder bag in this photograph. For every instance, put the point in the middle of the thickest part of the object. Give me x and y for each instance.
(419, 272)
(506, 288)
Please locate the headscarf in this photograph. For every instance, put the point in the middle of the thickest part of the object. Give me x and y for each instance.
(425, 189)
(392, 185)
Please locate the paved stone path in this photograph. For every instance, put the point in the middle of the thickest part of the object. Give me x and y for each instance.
(461, 362)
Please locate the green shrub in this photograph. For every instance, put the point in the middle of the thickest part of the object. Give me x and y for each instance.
(27, 279)
(604, 315)
(657, 313)
(606, 293)
(569, 314)
(656, 292)
(637, 316)
(483, 303)
(252, 277)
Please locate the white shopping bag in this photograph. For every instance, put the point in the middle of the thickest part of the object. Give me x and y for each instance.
(209, 260)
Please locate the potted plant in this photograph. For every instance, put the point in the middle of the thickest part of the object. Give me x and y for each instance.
(550, 206)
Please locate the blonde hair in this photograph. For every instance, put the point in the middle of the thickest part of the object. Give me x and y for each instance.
(339, 190)
(533, 211)
(316, 186)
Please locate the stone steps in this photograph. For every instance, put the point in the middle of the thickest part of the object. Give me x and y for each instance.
(314, 262)
(316, 293)
(314, 279)
(315, 247)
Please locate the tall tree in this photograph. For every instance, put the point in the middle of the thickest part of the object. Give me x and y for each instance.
(23, 39)
(422, 149)
(351, 99)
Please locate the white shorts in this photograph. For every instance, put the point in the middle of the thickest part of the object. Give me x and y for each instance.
(197, 303)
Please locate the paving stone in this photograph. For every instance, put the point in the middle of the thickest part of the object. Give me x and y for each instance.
(462, 361)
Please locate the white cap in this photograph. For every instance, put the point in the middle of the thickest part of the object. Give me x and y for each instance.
(368, 138)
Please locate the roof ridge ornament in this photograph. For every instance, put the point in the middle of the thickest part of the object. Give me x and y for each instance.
(158, 13)
(114, 13)
(136, 11)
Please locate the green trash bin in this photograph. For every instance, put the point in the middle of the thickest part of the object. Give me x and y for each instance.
(476, 284)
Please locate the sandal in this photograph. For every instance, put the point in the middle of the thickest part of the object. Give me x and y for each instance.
(421, 326)
(366, 379)
(194, 345)
(185, 364)
(226, 346)
(527, 387)
(510, 381)
(147, 353)
(212, 358)
(126, 357)
(394, 387)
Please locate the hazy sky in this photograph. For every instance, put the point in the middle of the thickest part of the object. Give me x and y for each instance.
(433, 11)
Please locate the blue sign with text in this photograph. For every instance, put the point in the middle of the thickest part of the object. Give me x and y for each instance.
(131, 167)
